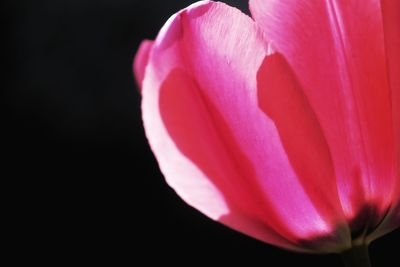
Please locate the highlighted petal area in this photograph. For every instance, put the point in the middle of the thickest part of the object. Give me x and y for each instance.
(224, 146)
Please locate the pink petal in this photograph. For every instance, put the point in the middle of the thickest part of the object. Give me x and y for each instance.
(217, 148)
(336, 49)
(140, 61)
(281, 98)
(391, 23)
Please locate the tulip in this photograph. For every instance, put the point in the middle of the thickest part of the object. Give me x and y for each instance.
(284, 126)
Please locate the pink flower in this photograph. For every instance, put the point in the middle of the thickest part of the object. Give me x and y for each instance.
(285, 127)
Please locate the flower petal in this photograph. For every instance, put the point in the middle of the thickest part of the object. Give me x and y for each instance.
(216, 147)
(336, 49)
(140, 61)
(281, 98)
(391, 24)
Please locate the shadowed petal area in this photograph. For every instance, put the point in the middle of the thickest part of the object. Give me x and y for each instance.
(336, 49)
(281, 97)
(141, 60)
(391, 19)
(220, 152)
(391, 26)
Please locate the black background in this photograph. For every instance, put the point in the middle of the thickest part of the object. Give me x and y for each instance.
(87, 187)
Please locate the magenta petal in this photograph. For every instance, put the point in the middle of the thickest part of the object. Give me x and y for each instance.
(337, 51)
(281, 98)
(391, 24)
(217, 148)
(140, 61)
(190, 152)
(391, 20)
(191, 121)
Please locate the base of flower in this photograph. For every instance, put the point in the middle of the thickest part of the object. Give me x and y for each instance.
(357, 256)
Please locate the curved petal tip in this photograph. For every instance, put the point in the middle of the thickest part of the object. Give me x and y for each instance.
(140, 61)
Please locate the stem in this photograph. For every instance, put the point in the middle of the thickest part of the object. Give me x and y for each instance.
(357, 256)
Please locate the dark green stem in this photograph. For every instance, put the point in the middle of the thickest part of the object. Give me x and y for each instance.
(357, 256)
